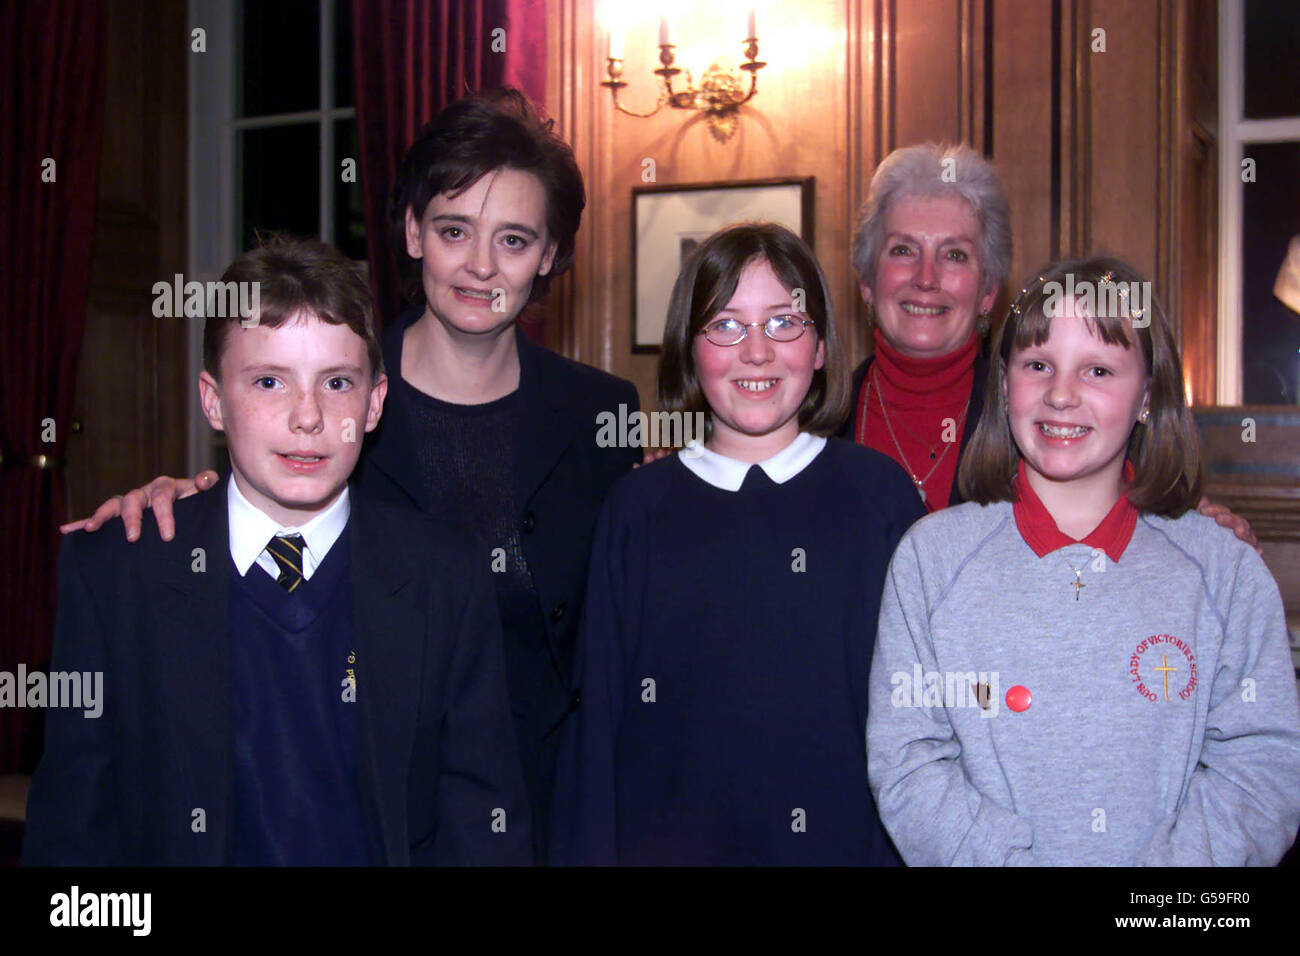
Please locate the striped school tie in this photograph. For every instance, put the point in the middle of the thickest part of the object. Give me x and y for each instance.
(287, 550)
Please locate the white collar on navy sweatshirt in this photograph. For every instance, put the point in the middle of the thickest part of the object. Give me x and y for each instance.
(729, 474)
(252, 529)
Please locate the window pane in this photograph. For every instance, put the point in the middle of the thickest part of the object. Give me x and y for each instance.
(349, 217)
(279, 63)
(343, 53)
(1270, 332)
(279, 181)
(1272, 59)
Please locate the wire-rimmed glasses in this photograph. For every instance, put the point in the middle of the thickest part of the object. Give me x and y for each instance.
(779, 328)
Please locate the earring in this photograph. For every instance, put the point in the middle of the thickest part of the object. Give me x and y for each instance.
(1146, 413)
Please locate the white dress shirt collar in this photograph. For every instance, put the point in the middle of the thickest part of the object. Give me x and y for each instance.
(251, 529)
(729, 473)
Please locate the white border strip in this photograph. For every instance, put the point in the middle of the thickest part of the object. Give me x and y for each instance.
(1228, 359)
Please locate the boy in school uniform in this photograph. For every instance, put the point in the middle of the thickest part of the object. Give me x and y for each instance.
(301, 676)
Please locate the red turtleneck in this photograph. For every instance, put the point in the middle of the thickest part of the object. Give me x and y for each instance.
(919, 395)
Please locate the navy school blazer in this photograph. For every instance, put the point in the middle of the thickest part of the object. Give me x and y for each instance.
(562, 479)
(436, 745)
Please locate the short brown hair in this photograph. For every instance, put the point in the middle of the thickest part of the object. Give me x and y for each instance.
(298, 275)
(1165, 451)
(490, 130)
(705, 286)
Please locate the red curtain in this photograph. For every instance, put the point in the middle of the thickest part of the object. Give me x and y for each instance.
(412, 58)
(51, 108)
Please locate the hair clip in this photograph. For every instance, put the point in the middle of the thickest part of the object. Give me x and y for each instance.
(1121, 293)
(1017, 306)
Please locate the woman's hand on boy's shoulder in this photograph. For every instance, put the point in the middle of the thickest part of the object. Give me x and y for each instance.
(1233, 522)
(158, 495)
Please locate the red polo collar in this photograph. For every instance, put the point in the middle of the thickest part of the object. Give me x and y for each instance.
(1040, 532)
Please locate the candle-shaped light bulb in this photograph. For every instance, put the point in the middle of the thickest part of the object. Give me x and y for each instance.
(663, 31)
(752, 26)
(615, 42)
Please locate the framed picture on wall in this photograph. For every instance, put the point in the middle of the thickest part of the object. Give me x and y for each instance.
(668, 222)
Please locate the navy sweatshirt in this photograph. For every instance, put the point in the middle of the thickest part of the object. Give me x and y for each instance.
(297, 801)
(723, 664)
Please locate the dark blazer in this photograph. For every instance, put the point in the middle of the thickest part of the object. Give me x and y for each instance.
(563, 476)
(849, 430)
(436, 749)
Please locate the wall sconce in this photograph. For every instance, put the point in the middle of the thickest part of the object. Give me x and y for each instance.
(720, 93)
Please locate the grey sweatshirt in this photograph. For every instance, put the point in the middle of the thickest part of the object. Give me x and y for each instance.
(1163, 725)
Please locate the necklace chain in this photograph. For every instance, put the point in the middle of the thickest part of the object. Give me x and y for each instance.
(884, 410)
(1077, 583)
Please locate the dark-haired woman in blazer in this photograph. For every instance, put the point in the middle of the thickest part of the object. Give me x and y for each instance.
(483, 426)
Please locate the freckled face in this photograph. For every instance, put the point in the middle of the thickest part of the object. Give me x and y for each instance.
(294, 402)
(481, 250)
(754, 389)
(1072, 401)
(926, 288)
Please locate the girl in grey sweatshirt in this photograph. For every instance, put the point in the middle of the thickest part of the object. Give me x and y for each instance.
(1075, 667)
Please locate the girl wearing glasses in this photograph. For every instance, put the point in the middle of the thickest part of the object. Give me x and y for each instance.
(734, 592)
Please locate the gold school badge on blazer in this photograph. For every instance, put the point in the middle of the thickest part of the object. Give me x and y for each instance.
(350, 679)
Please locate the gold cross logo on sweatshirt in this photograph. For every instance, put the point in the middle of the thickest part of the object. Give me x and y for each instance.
(1166, 668)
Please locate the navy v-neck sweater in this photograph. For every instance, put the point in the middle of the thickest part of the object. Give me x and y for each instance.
(296, 796)
(723, 666)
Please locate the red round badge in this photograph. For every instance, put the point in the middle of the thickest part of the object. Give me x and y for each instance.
(1019, 698)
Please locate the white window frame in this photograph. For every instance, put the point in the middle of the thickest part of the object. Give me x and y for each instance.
(1235, 134)
(214, 199)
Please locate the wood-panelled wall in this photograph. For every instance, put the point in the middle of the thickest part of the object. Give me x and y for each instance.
(133, 394)
(1108, 151)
